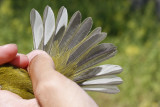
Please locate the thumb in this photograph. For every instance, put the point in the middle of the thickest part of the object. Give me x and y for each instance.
(46, 81)
(52, 88)
(41, 67)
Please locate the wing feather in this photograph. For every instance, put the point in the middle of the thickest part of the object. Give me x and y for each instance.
(37, 29)
(109, 70)
(111, 89)
(113, 80)
(62, 19)
(99, 71)
(84, 75)
(61, 24)
(71, 29)
(49, 24)
(98, 54)
(90, 42)
(96, 31)
(81, 33)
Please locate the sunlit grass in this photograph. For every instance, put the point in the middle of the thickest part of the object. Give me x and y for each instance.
(140, 74)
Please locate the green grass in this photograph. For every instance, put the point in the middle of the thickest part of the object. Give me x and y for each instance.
(140, 74)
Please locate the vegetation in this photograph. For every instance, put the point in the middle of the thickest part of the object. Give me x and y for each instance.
(135, 32)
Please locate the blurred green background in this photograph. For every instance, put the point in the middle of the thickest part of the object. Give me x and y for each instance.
(132, 25)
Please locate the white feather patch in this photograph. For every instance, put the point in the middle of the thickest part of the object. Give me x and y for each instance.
(109, 69)
(115, 80)
(49, 23)
(37, 27)
(110, 90)
(63, 20)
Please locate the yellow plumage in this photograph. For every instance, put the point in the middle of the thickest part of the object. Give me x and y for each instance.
(74, 50)
(16, 80)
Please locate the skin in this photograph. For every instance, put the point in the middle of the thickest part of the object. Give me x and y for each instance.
(51, 88)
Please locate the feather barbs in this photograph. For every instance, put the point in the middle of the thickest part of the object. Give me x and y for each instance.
(75, 50)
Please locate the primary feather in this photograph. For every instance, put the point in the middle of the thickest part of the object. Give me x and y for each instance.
(74, 51)
(37, 28)
(62, 19)
(71, 29)
(49, 24)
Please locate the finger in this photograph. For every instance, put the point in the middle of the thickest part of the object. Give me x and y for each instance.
(20, 60)
(32, 54)
(7, 53)
(7, 94)
(51, 85)
(13, 100)
(32, 103)
(40, 68)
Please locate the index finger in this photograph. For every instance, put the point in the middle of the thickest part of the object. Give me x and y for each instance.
(7, 53)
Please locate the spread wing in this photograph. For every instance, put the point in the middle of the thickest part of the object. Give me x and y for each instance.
(75, 50)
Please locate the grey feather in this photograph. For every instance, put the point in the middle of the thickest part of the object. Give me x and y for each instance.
(113, 80)
(62, 19)
(48, 46)
(71, 29)
(49, 24)
(93, 40)
(49, 27)
(81, 33)
(109, 70)
(61, 23)
(96, 31)
(98, 54)
(80, 48)
(57, 37)
(59, 34)
(87, 74)
(99, 71)
(111, 89)
(37, 29)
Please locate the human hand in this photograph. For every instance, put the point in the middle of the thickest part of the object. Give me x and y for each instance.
(8, 54)
(50, 87)
(53, 89)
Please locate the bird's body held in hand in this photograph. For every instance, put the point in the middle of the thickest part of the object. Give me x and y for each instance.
(16, 80)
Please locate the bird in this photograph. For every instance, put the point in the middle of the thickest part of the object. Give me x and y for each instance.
(75, 50)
